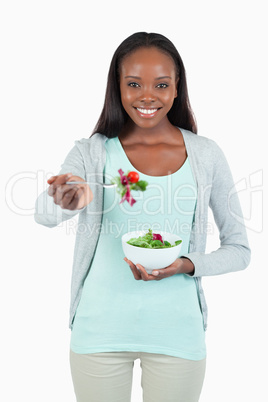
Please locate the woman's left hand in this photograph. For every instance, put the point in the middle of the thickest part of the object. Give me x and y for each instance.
(179, 266)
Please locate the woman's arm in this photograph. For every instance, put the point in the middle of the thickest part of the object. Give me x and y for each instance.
(234, 252)
(47, 212)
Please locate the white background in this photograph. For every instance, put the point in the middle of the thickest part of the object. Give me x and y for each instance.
(55, 58)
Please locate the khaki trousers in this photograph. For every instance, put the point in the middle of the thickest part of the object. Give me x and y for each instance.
(107, 377)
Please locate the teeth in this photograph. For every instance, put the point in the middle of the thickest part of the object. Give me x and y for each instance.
(147, 111)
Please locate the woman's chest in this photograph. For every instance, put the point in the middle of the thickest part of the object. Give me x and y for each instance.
(167, 195)
(156, 160)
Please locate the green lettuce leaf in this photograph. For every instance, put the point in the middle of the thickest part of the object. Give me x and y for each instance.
(147, 241)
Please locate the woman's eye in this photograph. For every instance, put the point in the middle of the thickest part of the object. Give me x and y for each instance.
(162, 86)
(133, 85)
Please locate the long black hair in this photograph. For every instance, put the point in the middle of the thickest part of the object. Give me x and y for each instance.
(113, 116)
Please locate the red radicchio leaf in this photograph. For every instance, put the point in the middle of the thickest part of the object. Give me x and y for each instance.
(127, 197)
(124, 179)
(157, 237)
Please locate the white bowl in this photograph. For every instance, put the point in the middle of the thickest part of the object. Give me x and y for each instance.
(149, 258)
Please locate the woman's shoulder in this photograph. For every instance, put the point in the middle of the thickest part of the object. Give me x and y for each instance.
(94, 139)
(197, 139)
(203, 146)
(94, 143)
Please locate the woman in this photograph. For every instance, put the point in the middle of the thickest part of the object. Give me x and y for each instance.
(119, 315)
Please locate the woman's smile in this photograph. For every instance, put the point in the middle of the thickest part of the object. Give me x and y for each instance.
(147, 113)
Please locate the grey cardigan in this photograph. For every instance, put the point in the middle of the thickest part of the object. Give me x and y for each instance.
(215, 188)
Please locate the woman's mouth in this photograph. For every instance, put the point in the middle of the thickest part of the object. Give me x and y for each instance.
(147, 113)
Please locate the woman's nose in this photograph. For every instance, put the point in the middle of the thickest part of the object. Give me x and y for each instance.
(148, 96)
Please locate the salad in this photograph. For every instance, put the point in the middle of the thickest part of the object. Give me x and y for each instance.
(152, 240)
(126, 183)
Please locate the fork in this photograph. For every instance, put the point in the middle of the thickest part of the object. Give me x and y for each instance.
(105, 185)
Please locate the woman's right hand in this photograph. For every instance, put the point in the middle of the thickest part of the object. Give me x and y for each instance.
(69, 196)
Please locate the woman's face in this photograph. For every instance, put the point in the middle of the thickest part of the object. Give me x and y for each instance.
(148, 86)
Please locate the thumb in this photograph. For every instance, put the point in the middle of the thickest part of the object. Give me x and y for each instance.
(51, 179)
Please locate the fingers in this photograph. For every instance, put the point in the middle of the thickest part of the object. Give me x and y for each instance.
(72, 197)
(51, 179)
(135, 271)
(156, 275)
(61, 178)
(56, 181)
(140, 272)
(69, 196)
(144, 274)
(171, 270)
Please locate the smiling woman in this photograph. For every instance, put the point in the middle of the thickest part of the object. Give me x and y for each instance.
(114, 117)
(120, 312)
(149, 98)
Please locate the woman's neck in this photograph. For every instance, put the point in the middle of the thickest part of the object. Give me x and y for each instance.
(163, 132)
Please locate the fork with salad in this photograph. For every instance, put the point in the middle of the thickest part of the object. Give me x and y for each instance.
(125, 183)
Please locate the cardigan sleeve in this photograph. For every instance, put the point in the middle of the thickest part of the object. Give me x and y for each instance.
(234, 252)
(48, 213)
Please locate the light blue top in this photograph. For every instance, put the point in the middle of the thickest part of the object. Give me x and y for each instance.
(215, 190)
(118, 313)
